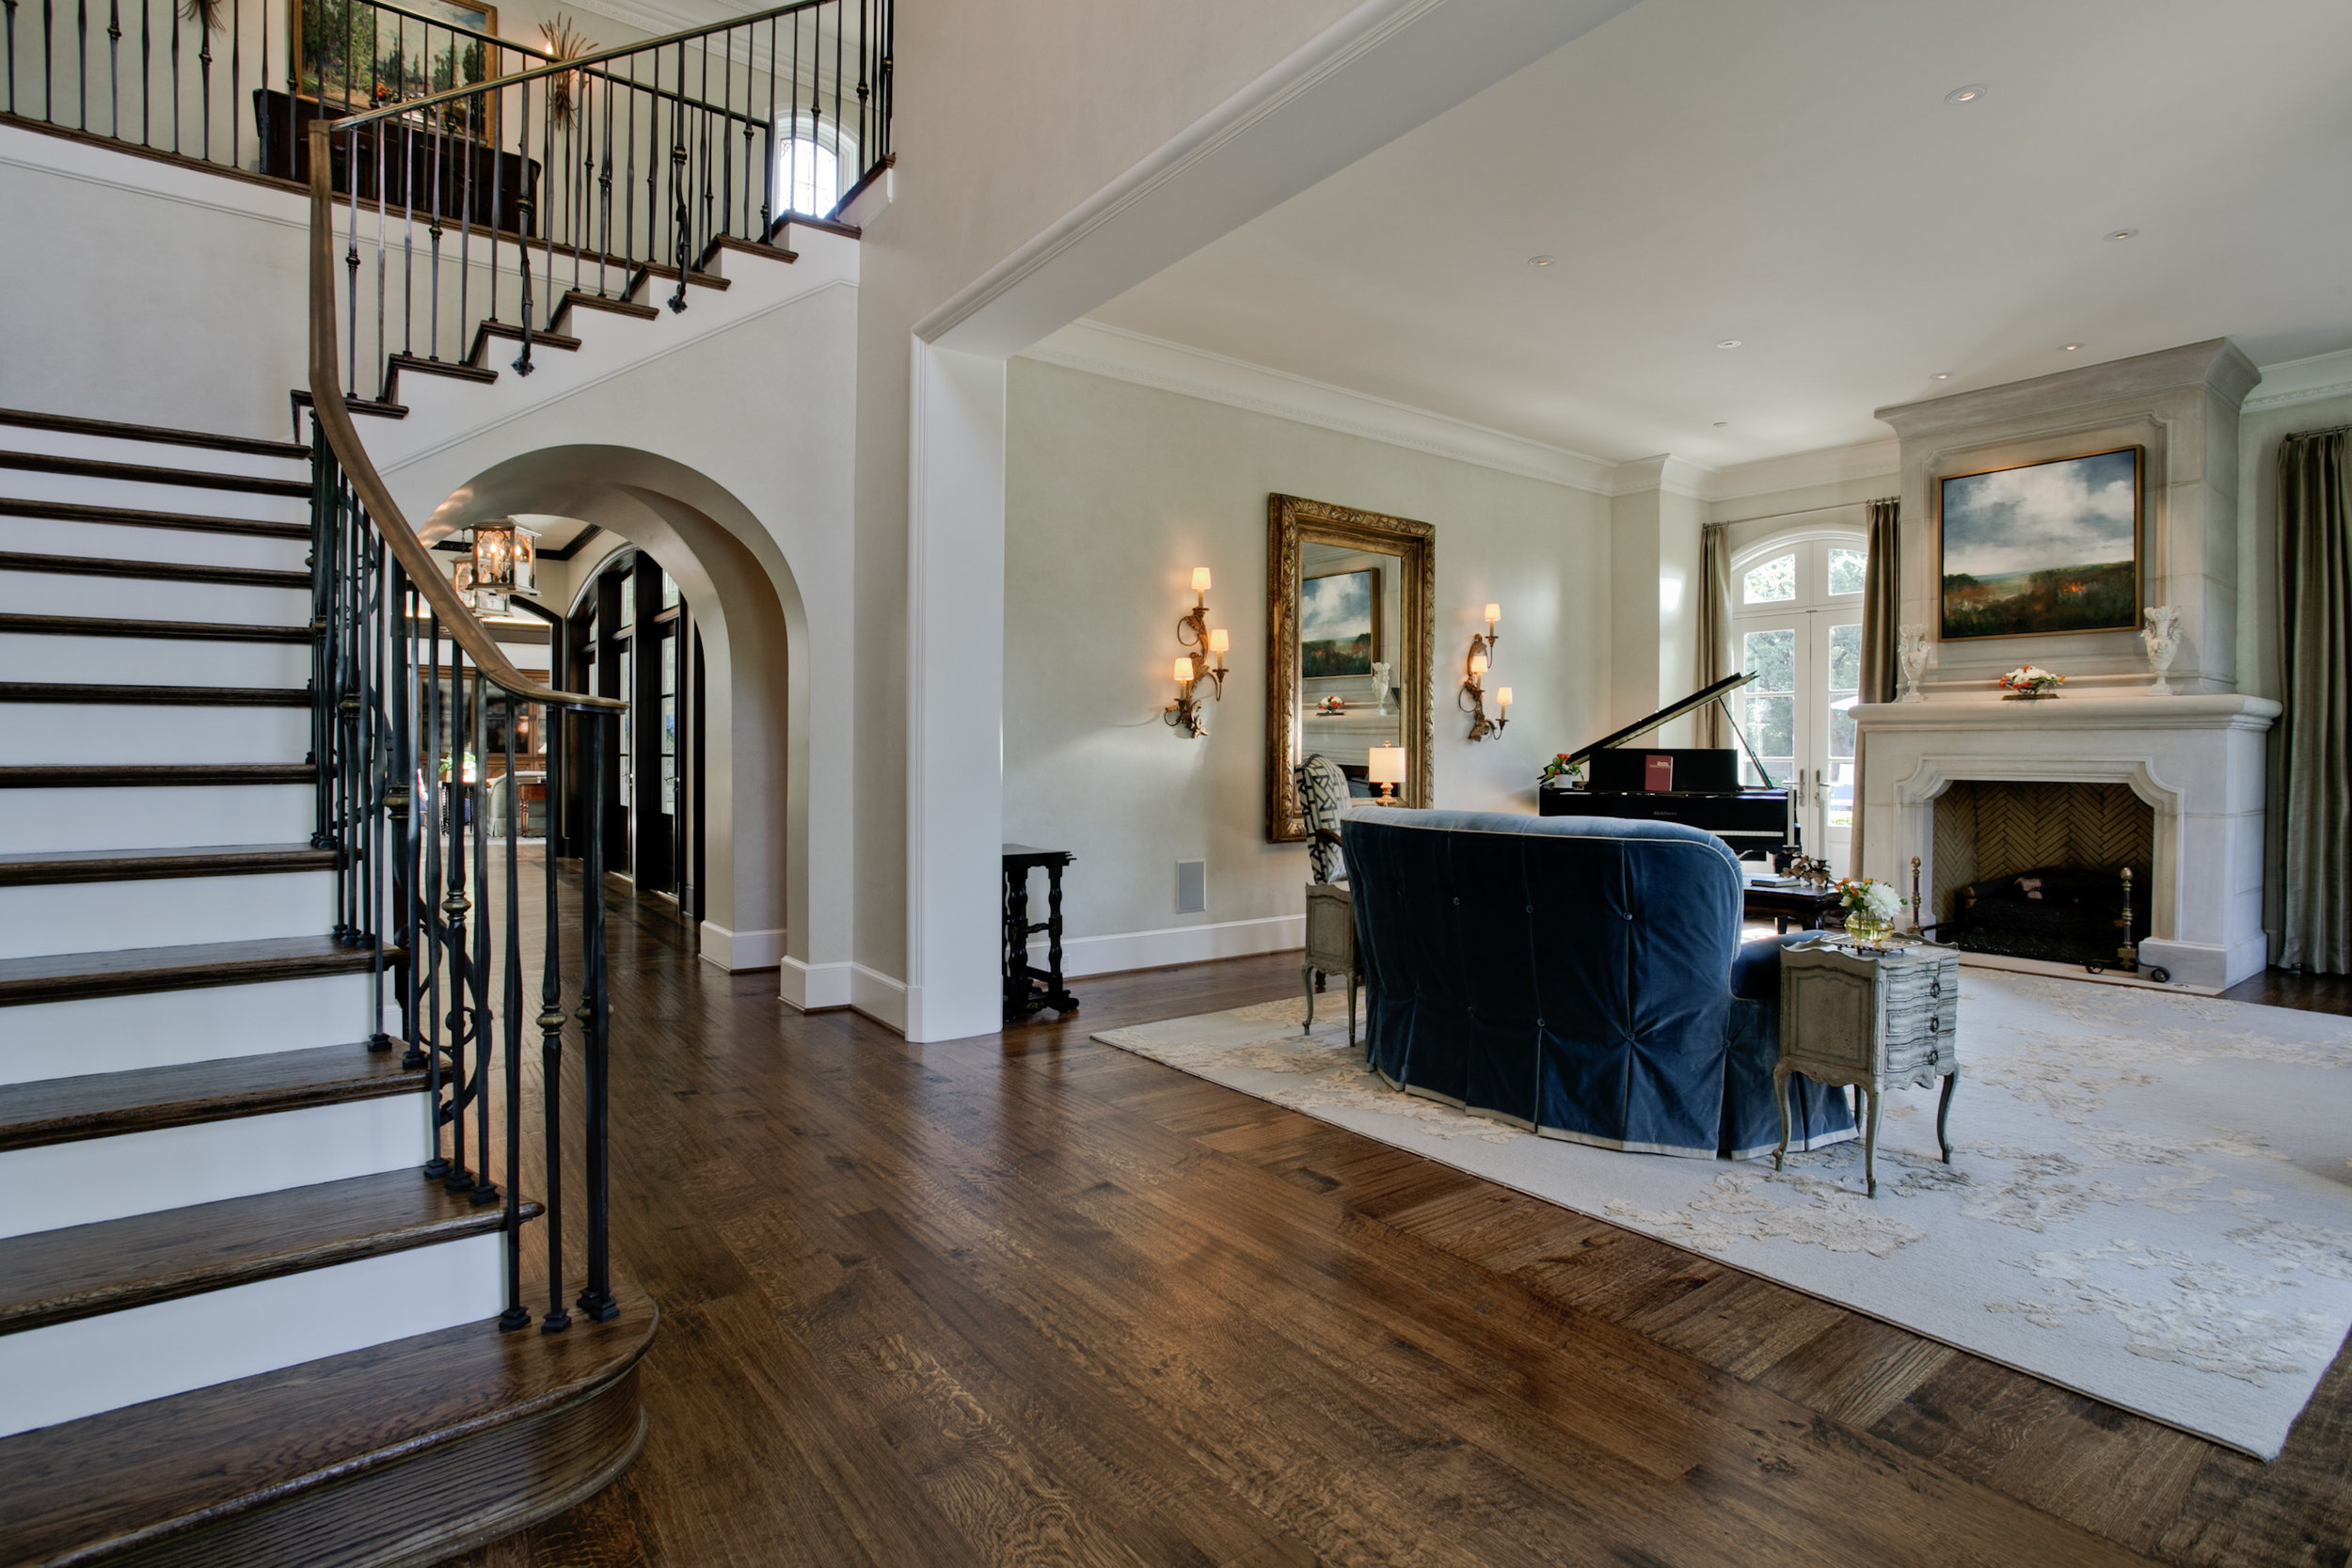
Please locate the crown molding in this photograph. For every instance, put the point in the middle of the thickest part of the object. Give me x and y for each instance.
(1800, 470)
(1677, 476)
(1100, 349)
(2293, 381)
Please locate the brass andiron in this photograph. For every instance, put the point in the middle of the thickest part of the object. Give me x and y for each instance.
(2128, 954)
(1916, 927)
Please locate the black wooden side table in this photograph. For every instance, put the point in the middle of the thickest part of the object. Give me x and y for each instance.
(1028, 989)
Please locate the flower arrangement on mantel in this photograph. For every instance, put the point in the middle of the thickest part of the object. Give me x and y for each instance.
(2029, 683)
(1871, 909)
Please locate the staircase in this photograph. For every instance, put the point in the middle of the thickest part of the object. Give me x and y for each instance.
(237, 1323)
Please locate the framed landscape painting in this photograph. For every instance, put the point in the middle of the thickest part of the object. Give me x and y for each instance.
(2043, 548)
(1339, 623)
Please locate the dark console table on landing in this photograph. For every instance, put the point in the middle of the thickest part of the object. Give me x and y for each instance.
(1028, 989)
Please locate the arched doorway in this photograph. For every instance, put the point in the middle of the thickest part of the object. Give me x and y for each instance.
(1796, 625)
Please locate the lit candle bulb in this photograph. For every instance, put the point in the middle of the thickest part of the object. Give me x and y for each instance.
(1199, 579)
(1478, 665)
(1184, 671)
(1220, 640)
(1494, 613)
(1503, 699)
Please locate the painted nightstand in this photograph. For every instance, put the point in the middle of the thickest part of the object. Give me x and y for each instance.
(1873, 1021)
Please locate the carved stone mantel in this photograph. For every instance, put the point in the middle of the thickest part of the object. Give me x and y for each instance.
(2196, 760)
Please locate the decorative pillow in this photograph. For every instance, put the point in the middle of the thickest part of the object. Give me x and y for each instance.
(1322, 795)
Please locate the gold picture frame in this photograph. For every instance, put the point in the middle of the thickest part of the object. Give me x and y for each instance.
(352, 56)
(1290, 522)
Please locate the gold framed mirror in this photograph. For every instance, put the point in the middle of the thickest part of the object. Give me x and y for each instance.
(1348, 647)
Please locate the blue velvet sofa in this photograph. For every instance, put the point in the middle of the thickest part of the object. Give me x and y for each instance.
(1579, 976)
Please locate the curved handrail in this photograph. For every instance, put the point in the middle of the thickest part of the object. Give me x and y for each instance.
(581, 65)
(343, 439)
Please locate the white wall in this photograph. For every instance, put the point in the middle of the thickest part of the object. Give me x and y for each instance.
(1114, 492)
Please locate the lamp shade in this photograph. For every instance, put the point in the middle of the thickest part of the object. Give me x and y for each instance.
(1502, 697)
(1478, 664)
(1494, 613)
(1219, 640)
(1184, 669)
(505, 557)
(1199, 579)
(1387, 764)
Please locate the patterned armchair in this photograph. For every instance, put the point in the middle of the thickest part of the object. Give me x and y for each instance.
(1331, 911)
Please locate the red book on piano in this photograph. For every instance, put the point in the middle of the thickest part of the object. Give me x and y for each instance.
(1658, 773)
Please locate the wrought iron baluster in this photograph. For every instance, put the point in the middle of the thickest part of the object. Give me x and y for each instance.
(432, 1022)
(596, 1297)
(680, 184)
(604, 194)
(81, 46)
(402, 805)
(464, 1024)
(114, 68)
(523, 209)
(767, 164)
(236, 43)
(546, 187)
(433, 242)
(384, 130)
(550, 1023)
(351, 254)
(485, 1190)
(516, 1315)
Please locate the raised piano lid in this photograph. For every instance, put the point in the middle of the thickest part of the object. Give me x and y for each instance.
(1667, 715)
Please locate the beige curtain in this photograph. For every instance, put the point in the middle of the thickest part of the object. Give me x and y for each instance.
(1881, 604)
(2311, 822)
(1715, 659)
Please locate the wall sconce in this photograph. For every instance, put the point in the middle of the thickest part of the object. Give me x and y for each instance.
(1472, 697)
(505, 557)
(1385, 767)
(1193, 632)
(1185, 714)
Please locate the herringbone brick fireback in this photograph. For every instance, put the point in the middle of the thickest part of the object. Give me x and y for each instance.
(1990, 828)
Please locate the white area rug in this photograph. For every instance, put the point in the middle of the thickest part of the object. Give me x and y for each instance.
(2149, 1199)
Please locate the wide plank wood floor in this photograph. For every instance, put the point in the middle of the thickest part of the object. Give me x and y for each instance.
(1031, 1300)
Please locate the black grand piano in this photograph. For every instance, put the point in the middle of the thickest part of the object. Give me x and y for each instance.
(1698, 786)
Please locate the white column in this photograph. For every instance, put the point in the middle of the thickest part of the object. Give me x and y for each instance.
(955, 693)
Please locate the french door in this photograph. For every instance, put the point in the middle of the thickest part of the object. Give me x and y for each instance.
(1798, 628)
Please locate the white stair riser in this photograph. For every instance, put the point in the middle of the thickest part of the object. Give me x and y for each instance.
(55, 1185)
(116, 1034)
(128, 733)
(71, 1369)
(90, 917)
(34, 820)
(152, 454)
(201, 500)
(152, 599)
(125, 541)
(136, 660)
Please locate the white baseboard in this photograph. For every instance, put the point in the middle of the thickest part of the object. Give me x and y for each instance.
(1178, 945)
(813, 988)
(878, 996)
(737, 951)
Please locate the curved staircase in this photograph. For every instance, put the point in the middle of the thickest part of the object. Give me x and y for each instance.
(238, 1324)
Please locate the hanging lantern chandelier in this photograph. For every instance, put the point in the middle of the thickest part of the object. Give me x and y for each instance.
(505, 557)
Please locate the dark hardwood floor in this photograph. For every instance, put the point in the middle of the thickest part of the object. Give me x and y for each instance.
(1027, 1299)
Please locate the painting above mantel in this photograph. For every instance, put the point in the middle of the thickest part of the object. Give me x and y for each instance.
(2038, 549)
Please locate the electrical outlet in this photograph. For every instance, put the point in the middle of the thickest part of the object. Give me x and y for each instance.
(1192, 887)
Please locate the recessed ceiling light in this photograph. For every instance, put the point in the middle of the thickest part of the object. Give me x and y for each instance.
(2122, 233)
(1728, 343)
(2071, 348)
(1720, 423)
(1942, 376)
(1539, 260)
(1969, 94)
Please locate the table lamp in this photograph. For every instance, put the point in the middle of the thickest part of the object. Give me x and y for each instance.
(1387, 769)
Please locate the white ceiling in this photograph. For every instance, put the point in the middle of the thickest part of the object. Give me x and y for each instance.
(1789, 174)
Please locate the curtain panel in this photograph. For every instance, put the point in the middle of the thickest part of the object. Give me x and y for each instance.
(2311, 822)
(1882, 608)
(1715, 657)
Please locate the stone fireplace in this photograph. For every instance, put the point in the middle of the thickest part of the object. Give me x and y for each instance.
(2192, 762)
(1987, 828)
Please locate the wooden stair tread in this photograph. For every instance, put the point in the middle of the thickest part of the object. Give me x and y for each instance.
(108, 1105)
(140, 473)
(154, 696)
(176, 775)
(127, 971)
(540, 338)
(177, 1464)
(48, 867)
(723, 242)
(576, 299)
(376, 406)
(695, 276)
(54, 1276)
(125, 517)
(166, 571)
(191, 631)
(450, 368)
(74, 424)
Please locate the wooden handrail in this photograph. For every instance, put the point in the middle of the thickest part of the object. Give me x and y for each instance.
(342, 439)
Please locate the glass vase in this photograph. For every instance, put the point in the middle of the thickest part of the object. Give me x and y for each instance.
(1867, 930)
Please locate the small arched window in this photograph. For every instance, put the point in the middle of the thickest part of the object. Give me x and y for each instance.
(816, 164)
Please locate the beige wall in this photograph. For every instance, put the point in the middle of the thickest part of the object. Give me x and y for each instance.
(1114, 493)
